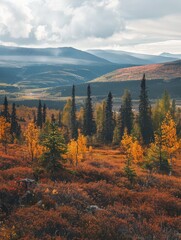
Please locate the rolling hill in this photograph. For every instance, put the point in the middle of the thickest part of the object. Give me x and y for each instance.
(160, 77)
(164, 71)
(41, 68)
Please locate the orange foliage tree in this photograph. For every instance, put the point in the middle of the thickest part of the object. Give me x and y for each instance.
(134, 153)
(32, 140)
(133, 149)
(77, 149)
(5, 133)
(170, 143)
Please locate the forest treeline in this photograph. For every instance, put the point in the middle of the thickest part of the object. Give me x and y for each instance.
(149, 136)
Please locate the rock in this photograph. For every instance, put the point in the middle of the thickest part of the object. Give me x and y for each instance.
(93, 208)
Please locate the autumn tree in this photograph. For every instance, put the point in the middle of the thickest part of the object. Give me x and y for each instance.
(66, 114)
(169, 139)
(145, 121)
(77, 149)
(126, 143)
(73, 122)
(54, 144)
(160, 153)
(32, 140)
(5, 133)
(89, 127)
(100, 111)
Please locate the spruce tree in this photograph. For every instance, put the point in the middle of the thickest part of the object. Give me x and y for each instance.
(15, 127)
(53, 120)
(5, 112)
(39, 115)
(118, 130)
(145, 121)
(73, 122)
(88, 121)
(44, 114)
(109, 121)
(54, 144)
(126, 113)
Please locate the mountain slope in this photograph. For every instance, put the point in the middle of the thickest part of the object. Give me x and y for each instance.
(164, 71)
(48, 67)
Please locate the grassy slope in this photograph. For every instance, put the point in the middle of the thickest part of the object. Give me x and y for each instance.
(164, 71)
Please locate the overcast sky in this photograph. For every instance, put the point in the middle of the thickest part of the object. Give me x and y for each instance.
(146, 26)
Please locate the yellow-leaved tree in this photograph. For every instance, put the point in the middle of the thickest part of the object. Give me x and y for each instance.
(32, 139)
(169, 140)
(132, 148)
(134, 154)
(5, 133)
(77, 149)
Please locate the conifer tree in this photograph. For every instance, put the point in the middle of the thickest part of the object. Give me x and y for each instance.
(44, 114)
(118, 130)
(126, 112)
(39, 115)
(145, 120)
(15, 127)
(88, 121)
(53, 120)
(73, 122)
(5, 111)
(109, 121)
(59, 119)
(53, 141)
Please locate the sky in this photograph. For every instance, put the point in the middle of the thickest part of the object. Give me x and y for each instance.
(144, 26)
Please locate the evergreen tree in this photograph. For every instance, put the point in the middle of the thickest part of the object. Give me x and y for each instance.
(53, 120)
(59, 119)
(173, 109)
(160, 110)
(118, 130)
(73, 122)
(15, 127)
(44, 114)
(145, 120)
(88, 121)
(109, 121)
(5, 112)
(54, 144)
(39, 115)
(126, 112)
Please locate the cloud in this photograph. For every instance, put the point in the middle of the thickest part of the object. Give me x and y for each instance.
(144, 9)
(89, 24)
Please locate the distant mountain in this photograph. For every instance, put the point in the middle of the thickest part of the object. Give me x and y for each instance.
(121, 57)
(48, 67)
(170, 55)
(163, 71)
